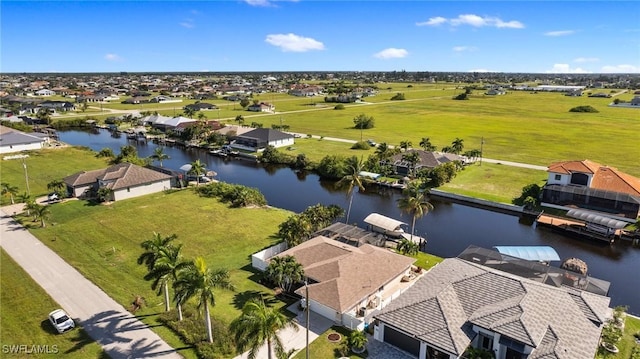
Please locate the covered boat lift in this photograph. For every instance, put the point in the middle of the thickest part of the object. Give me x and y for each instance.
(382, 224)
(544, 254)
(596, 222)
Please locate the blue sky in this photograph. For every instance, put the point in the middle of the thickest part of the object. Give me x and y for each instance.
(267, 35)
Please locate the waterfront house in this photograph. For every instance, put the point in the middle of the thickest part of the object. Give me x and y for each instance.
(125, 180)
(260, 138)
(16, 141)
(347, 283)
(590, 185)
(261, 107)
(426, 159)
(509, 307)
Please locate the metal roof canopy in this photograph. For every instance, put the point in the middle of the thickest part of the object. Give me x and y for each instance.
(596, 218)
(530, 253)
(383, 222)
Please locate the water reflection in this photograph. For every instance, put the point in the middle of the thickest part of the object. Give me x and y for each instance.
(449, 228)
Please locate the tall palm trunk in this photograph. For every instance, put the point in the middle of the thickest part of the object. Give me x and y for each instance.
(180, 312)
(166, 297)
(269, 349)
(349, 209)
(413, 227)
(208, 322)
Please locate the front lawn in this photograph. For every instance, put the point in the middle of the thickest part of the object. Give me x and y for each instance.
(23, 319)
(322, 347)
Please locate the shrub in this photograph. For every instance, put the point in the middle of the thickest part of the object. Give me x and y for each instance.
(398, 97)
(236, 195)
(462, 96)
(589, 109)
(339, 107)
(361, 145)
(192, 331)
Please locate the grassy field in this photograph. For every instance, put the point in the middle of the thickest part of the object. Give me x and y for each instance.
(103, 243)
(626, 344)
(494, 182)
(23, 316)
(47, 165)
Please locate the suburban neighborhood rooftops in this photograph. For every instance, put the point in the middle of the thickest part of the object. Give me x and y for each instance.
(267, 134)
(604, 177)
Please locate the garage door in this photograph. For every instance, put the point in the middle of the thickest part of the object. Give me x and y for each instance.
(402, 341)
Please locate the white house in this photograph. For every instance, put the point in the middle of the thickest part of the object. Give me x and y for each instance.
(125, 180)
(45, 92)
(15, 141)
(260, 138)
(262, 107)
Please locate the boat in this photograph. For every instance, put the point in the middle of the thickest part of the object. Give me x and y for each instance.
(218, 152)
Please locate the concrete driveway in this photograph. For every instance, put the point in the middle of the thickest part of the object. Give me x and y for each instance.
(120, 334)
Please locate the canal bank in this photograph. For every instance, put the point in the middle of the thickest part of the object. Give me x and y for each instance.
(449, 229)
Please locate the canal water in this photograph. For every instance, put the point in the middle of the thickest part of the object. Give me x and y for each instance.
(449, 228)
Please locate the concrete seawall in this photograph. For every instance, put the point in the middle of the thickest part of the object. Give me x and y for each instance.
(480, 203)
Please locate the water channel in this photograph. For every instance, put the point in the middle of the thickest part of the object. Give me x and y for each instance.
(449, 228)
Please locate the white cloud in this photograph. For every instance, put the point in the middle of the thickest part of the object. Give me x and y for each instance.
(473, 20)
(559, 33)
(265, 3)
(391, 53)
(112, 57)
(188, 24)
(294, 43)
(586, 59)
(566, 69)
(464, 48)
(434, 21)
(627, 69)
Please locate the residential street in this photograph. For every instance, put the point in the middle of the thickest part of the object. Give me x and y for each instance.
(119, 333)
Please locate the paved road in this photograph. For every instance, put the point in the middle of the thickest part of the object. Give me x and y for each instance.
(119, 333)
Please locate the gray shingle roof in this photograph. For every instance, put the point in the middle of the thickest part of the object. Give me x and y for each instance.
(11, 138)
(556, 322)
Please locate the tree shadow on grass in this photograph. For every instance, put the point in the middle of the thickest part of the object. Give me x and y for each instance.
(255, 276)
(240, 299)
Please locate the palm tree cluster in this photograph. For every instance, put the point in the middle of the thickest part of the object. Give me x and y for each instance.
(298, 228)
(284, 272)
(190, 279)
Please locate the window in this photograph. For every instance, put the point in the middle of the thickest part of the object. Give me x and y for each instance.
(485, 342)
(558, 177)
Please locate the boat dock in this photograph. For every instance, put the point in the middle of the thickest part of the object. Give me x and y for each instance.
(575, 227)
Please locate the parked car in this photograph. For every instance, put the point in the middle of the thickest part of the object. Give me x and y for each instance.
(371, 142)
(53, 197)
(61, 321)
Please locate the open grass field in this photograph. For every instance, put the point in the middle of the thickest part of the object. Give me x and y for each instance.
(23, 316)
(103, 243)
(494, 182)
(45, 166)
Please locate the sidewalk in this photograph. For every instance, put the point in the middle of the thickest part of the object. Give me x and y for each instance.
(120, 334)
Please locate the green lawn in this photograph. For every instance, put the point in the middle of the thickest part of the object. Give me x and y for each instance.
(494, 182)
(323, 348)
(626, 344)
(103, 243)
(23, 318)
(47, 165)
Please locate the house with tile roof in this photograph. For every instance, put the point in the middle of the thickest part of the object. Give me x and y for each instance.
(461, 303)
(590, 185)
(125, 180)
(347, 283)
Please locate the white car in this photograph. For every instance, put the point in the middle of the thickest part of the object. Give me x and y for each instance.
(61, 321)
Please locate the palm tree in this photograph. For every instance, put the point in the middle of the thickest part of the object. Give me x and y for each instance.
(383, 151)
(425, 143)
(41, 213)
(198, 280)
(406, 246)
(166, 269)
(414, 202)
(57, 186)
(285, 272)
(189, 112)
(198, 169)
(259, 323)
(412, 157)
(201, 116)
(44, 115)
(405, 145)
(159, 155)
(28, 202)
(153, 247)
(10, 190)
(457, 145)
(352, 179)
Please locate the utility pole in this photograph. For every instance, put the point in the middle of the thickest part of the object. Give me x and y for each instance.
(481, 148)
(26, 176)
(306, 293)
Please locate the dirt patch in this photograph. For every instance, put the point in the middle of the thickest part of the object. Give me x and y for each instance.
(334, 337)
